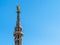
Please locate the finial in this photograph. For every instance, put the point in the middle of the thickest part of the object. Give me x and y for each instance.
(18, 8)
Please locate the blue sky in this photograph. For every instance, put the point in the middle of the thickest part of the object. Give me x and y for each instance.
(40, 20)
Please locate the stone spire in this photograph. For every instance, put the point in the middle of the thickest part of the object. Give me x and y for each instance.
(18, 29)
(18, 17)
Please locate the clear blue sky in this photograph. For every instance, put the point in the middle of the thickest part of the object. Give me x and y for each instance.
(40, 20)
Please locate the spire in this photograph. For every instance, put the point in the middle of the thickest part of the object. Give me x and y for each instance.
(18, 16)
(18, 29)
